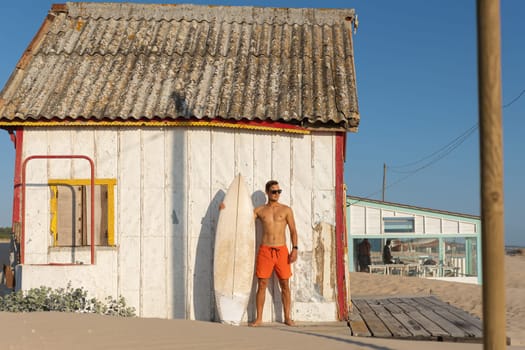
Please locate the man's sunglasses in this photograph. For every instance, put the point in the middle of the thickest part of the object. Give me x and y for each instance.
(276, 191)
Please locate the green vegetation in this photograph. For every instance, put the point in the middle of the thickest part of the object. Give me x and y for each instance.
(63, 300)
(5, 232)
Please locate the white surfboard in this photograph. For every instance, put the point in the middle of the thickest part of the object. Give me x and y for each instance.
(234, 254)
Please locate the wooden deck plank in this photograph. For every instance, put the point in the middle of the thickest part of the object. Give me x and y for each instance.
(376, 326)
(417, 331)
(362, 306)
(421, 304)
(395, 327)
(378, 308)
(403, 304)
(464, 315)
(427, 324)
(425, 300)
(393, 308)
(467, 327)
(446, 325)
(468, 318)
(441, 308)
(358, 326)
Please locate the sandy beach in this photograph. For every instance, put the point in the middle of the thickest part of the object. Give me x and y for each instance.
(59, 331)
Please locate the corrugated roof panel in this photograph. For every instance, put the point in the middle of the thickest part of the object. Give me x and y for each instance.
(135, 61)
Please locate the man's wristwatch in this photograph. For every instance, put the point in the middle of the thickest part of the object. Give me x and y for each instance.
(295, 247)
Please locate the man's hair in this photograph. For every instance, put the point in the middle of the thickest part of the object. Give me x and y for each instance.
(270, 184)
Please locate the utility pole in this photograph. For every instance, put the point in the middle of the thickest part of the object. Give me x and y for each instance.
(491, 159)
(384, 182)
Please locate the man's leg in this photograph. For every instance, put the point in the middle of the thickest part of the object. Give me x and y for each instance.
(259, 301)
(287, 301)
(361, 264)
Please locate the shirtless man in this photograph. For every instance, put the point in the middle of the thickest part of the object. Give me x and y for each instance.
(273, 253)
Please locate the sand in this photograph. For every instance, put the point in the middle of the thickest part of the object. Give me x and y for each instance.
(58, 331)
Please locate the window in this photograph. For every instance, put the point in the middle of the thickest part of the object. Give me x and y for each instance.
(417, 250)
(398, 224)
(71, 212)
(376, 248)
(459, 253)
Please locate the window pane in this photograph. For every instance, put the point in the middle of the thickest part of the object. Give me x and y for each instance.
(68, 215)
(72, 212)
(460, 254)
(398, 224)
(101, 215)
(375, 251)
(416, 250)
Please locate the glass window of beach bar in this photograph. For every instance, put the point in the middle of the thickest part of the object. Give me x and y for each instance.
(438, 256)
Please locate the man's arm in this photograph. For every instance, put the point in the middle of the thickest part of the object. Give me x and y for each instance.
(256, 212)
(293, 234)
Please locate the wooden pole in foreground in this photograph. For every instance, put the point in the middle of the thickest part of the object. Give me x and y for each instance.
(491, 153)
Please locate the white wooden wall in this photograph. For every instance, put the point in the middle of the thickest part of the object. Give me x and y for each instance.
(170, 182)
(369, 220)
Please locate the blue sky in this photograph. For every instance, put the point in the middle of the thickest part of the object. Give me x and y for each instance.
(417, 87)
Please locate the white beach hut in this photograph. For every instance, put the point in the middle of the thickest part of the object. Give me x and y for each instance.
(131, 120)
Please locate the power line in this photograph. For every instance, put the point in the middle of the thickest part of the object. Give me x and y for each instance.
(449, 147)
(446, 150)
(515, 99)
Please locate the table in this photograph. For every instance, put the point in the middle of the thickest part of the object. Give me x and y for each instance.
(440, 271)
(380, 268)
(390, 269)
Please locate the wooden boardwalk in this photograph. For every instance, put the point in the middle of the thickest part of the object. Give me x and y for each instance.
(421, 318)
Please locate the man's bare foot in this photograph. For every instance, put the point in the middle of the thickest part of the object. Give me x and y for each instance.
(255, 323)
(289, 322)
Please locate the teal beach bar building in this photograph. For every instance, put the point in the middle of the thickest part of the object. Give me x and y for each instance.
(424, 242)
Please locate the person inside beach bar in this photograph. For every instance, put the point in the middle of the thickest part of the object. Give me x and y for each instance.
(363, 255)
(387, 253)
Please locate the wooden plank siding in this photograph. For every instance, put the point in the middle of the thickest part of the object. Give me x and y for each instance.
(169, 184)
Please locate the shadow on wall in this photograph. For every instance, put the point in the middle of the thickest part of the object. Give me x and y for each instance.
(178, 249)
(179, 246)
(203, 296)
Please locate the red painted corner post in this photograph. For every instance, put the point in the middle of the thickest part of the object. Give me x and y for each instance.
(18, 139)
(340, 231)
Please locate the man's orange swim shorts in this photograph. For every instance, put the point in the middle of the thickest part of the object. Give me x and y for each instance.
(270, 258)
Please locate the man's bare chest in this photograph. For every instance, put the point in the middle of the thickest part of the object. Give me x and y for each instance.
(270, 215)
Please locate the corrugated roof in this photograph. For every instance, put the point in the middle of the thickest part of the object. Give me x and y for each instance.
(358, 200)
(122, 61)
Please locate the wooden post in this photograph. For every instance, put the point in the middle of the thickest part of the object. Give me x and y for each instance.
(340, 243)
(491, 153)
(384, 182)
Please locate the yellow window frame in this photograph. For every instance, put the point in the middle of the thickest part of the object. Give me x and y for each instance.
(110, 183)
